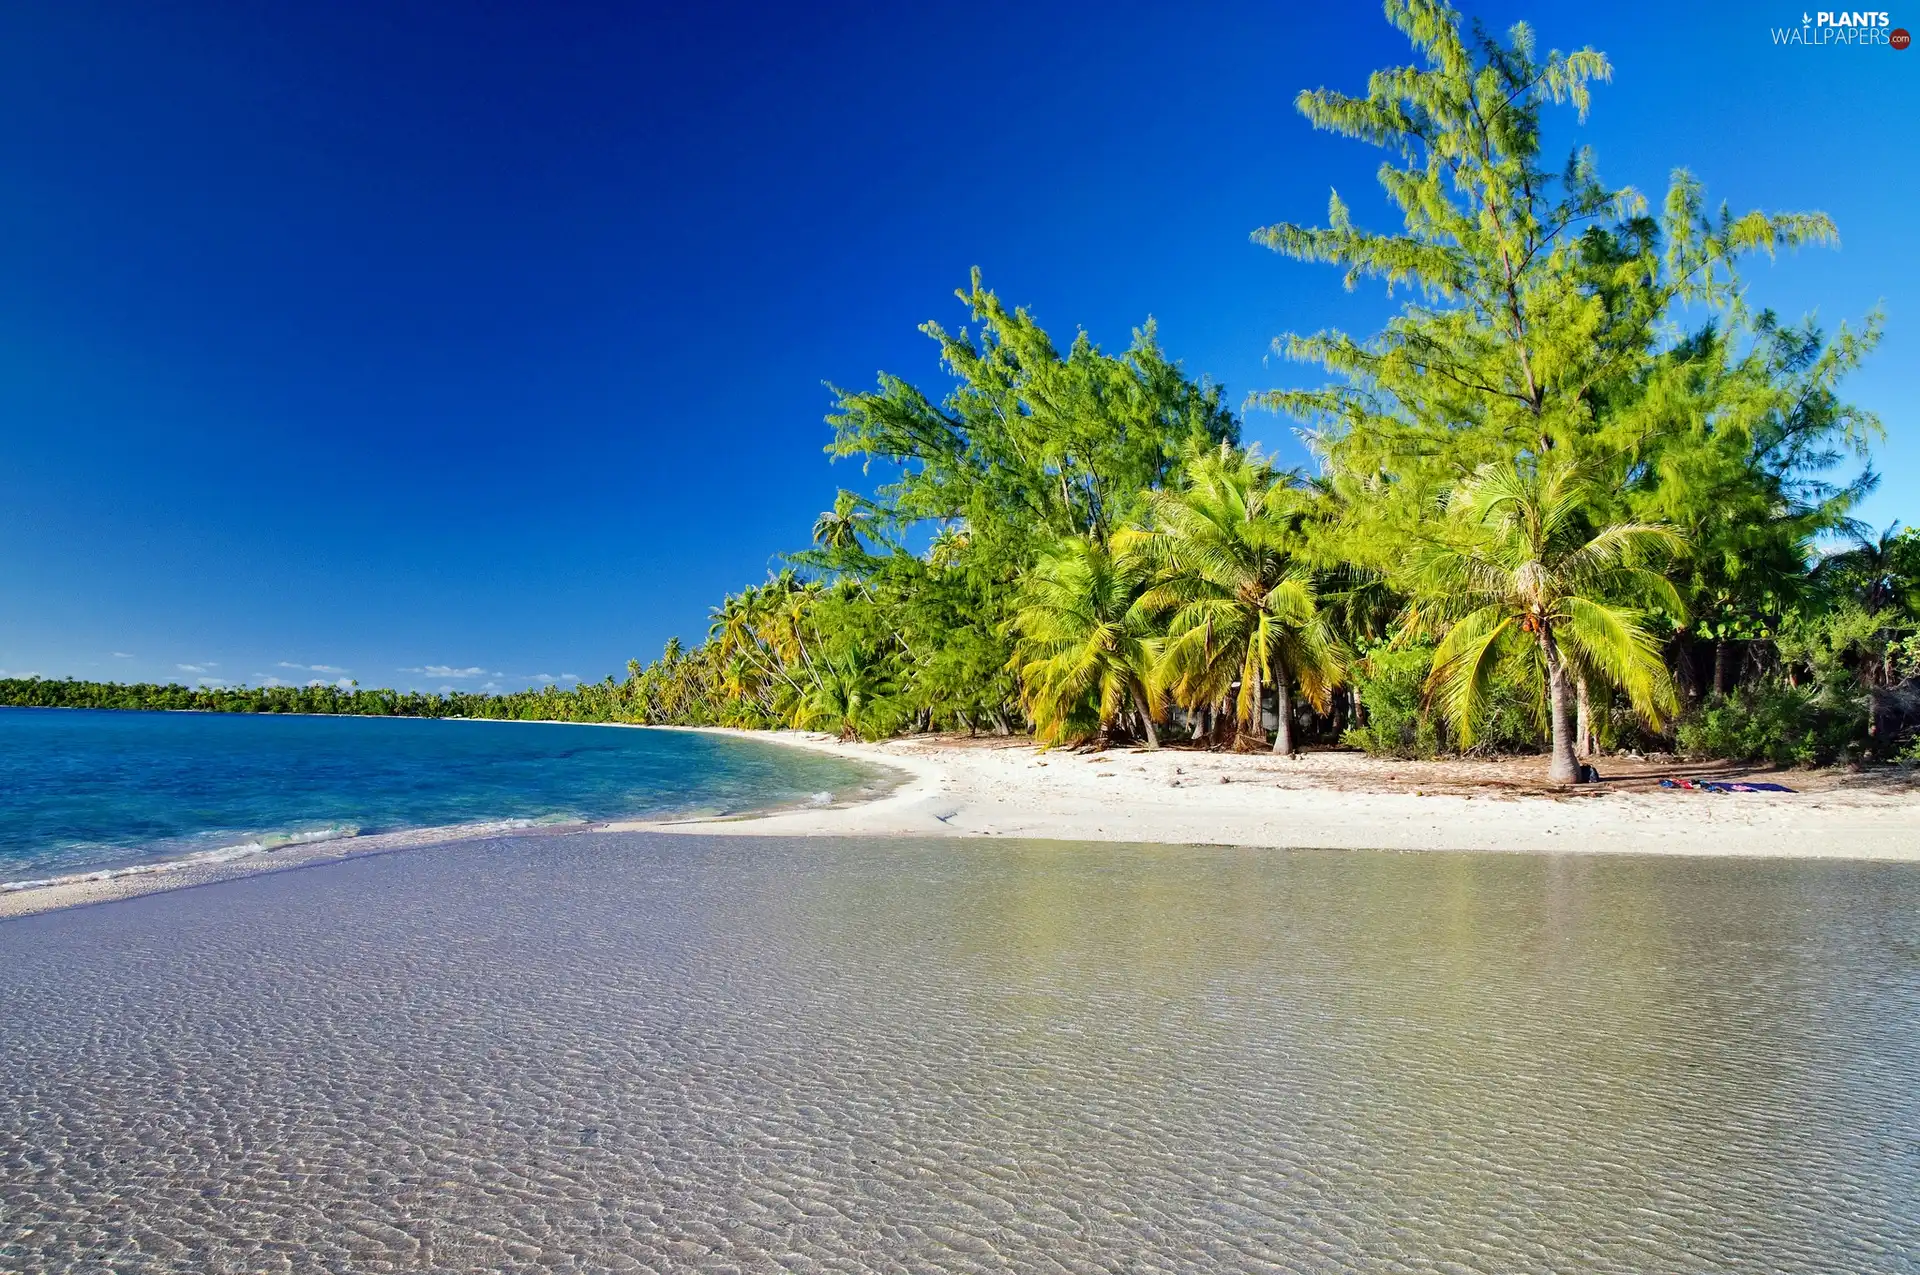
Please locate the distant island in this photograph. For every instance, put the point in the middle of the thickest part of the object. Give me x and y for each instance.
(597, 702)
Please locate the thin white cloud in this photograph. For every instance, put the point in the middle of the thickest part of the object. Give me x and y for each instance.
(491, 688)
(569, 677)
(122, 655)
(193, 668)
(447, 671)
(313, 668)
(209, 683)
(22, 674)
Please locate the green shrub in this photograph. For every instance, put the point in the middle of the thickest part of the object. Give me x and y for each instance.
(1776, 722)
(1392, 685)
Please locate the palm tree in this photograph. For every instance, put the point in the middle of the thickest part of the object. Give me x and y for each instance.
(1523, 582)
(948, 544)
(740, 679)
(1081, 642)
(1223, 553)
(1871, 569)
(733, 622)
(790, 622)
(851, 694)
(840, 528)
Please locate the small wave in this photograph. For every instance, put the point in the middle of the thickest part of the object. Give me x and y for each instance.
(264, 843)
(270, 843)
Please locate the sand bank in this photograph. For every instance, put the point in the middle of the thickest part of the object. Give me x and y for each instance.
(1338, 800)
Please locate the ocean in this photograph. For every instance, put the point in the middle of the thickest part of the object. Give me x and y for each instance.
(85, 792)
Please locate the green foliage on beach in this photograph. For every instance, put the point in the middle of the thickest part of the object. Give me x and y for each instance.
(1575, 492)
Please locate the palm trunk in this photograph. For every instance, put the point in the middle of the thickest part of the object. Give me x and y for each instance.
(1256, 731)
(1562, 767)
(1585, 744)
(1283, 723)
(1722, 668)
(1146, 719)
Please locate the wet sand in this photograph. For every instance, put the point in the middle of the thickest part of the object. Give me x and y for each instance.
(592, 1051)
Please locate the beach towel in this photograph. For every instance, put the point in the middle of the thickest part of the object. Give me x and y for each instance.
(1715, 785)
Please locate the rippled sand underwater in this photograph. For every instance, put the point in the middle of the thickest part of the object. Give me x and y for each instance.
(619, 1052)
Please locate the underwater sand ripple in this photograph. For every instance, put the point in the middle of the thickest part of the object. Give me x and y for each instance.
(622, 1052)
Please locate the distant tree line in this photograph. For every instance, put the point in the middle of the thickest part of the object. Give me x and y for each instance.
(605, 701)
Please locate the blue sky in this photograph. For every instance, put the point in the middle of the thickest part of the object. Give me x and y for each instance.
(468, 345)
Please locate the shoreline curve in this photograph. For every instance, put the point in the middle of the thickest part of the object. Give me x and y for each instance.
(940, 786)
(986, 786)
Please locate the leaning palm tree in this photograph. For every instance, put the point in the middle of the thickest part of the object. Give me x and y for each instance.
(732, 622)
(1224, 555)
(790, 622)
(1082, 650)
(1521, 581)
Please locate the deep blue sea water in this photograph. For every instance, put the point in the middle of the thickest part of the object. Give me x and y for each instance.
(82, 791)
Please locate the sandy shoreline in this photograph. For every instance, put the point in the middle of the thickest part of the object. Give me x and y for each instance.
(986, 787)
(1340, 801)
(106, 885)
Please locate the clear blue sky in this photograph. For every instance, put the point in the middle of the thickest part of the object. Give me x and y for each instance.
(396, 341)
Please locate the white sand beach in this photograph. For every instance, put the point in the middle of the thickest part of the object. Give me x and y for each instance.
(1007, 787)
(1339, 800)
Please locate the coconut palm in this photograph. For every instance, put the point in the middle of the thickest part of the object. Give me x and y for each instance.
(840, 528)
(1871, 569)
(790, 622)
(1223, 554)
(1083, 652)
(732, 622)
(851, 694)
(948, 544)
(741, 678)
(1523, 582)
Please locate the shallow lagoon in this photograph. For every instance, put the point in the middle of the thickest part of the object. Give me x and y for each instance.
(599, 1051)
(82, 790)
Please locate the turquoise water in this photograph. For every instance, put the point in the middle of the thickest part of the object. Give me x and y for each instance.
(82, 791)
